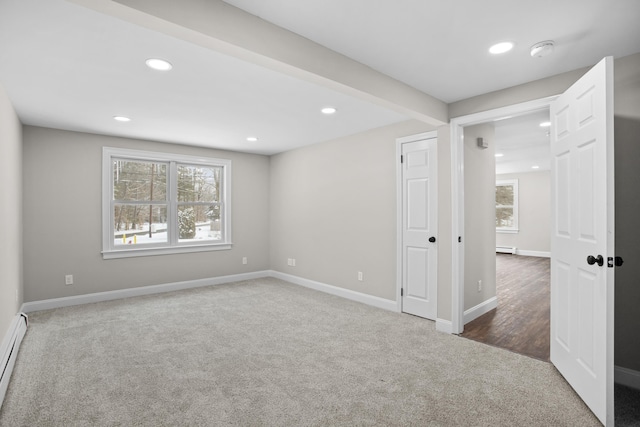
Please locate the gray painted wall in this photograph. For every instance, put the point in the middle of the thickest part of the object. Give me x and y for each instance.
(62, 217)
(333, 209)
(480, 214)
(10, 213)
(534, 206)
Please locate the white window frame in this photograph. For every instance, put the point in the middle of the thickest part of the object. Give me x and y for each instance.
(516, 225)
(173, 246)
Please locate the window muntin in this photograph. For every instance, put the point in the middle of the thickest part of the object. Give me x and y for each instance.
(162, 203)
(507, 205)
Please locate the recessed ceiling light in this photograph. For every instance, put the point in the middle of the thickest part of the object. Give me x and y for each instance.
(328, 110)
(501, 48)
(499, 154)
(158, 64)
(252, 139)
(121, 118)
(545, 124)
(535, 167)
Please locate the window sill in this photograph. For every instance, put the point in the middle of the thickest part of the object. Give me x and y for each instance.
(504, 231)
(131, 253)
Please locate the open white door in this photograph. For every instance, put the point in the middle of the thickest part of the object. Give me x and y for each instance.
(419, 247)
(582, 238)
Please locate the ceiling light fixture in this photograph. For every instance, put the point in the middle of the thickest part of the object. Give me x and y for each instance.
(535, 167)
(252, 139)
(501, 47)
(121, 118)
(158, 64)
(328, 110)
(545, 124)
(499, 155)
(541, 49)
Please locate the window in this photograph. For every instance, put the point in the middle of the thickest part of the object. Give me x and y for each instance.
(157, 203)
(507, 206)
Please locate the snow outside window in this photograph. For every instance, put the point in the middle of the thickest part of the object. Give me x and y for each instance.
(157, 203)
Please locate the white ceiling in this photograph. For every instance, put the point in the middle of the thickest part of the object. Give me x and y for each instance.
(69, 67)
(441, 47)
(523, 144)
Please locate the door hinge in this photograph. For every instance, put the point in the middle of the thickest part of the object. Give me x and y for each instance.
(401, 292)
(617, 262)
(401, 158)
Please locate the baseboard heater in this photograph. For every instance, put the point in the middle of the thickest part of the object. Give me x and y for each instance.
(9, 350)
(506, 250)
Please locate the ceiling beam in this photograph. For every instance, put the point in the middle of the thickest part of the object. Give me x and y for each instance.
(219, 26)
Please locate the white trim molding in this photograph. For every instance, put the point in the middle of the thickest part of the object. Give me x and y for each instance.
(29, 307)
(540, 254)
(480, 309)
(443, 325)
(9, 350)
(627, 377)
(374, 301)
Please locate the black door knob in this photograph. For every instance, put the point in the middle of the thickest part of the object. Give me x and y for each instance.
(432, 239)
(592, 260)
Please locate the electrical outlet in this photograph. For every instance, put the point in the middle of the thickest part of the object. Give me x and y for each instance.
(68, 279)
(360, 276)
(244, 260)
(293, 262)
(479, 285)
(289, 262)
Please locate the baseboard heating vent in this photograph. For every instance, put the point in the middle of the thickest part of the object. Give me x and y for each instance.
(506, 250)
(9, 350)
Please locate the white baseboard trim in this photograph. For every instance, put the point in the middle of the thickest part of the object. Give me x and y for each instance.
(540, 254)
(337, 291)
(480, 309)
(49, 304)
(627, 377)
(9, 350)
(444, 326)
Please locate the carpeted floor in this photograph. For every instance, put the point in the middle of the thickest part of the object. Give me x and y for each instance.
(268, 353)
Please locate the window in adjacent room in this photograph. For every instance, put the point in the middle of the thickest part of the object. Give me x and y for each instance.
(157, 203)
(507, 206)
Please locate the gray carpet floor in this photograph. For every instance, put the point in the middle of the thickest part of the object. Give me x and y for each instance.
(268, 353)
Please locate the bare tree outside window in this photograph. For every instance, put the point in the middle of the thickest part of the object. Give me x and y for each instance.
(507, 205)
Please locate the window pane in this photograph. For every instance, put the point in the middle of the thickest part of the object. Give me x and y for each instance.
(504, 195)
(199, 183)
(139, 181)
(131, 224)
(504, 218)
(199, 223)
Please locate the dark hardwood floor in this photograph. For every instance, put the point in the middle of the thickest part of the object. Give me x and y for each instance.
(521, 321)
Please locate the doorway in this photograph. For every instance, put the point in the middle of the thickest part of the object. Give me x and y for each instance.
(521, 226)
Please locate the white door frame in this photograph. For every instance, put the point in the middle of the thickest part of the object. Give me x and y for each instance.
(457, 194)
(399, 208)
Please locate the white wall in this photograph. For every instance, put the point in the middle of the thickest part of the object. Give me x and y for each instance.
(62, 218)
(10, 213)
(534, 218)
(480, 214)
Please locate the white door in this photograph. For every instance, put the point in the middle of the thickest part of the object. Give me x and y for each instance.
(582, 238)
(419, 222)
